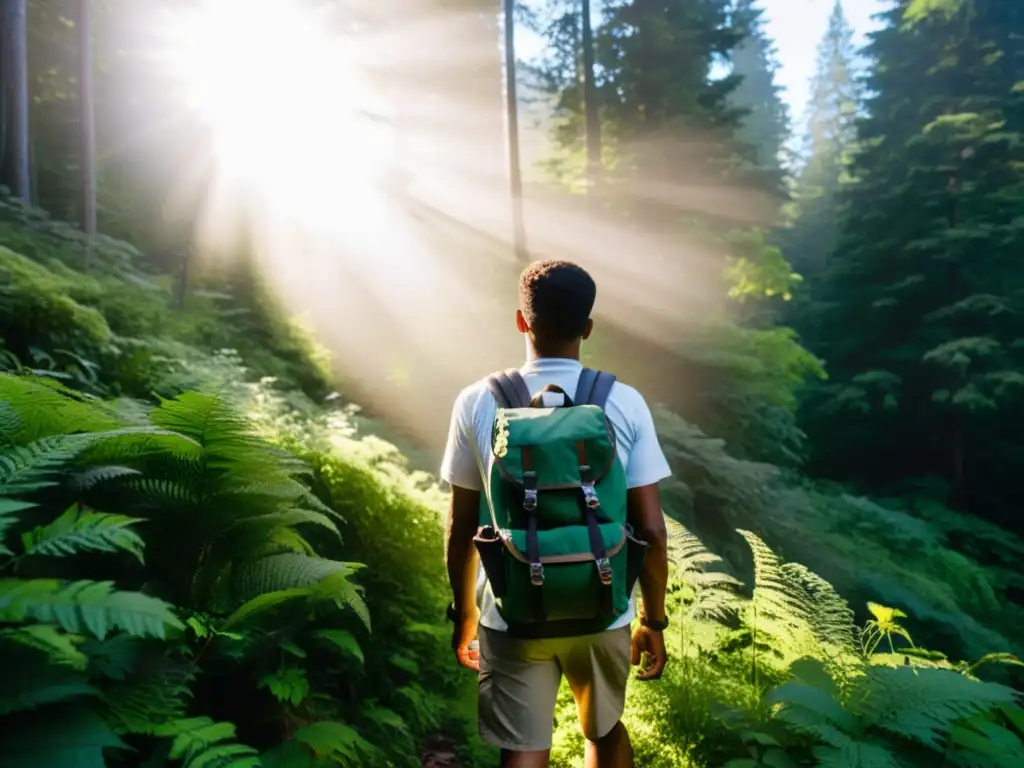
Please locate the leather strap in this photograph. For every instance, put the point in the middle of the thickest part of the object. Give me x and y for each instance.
(591, 505)
(530, 501)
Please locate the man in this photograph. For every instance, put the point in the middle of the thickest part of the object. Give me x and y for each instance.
(519, 678)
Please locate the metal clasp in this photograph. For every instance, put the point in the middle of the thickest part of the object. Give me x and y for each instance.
(590, 496)
(530, 499)
(536, 574)
(604, 570)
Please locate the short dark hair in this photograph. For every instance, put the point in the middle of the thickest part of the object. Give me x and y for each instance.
(556, 298)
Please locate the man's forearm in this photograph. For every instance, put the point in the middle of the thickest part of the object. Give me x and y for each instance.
(462, 560)
(654, 575)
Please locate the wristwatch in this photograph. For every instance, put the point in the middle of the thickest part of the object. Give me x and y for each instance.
(657, 626)
(450, 613)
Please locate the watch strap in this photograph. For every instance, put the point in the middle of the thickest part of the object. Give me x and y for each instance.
(657, 626)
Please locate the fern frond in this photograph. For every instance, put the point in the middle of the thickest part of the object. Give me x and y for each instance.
(342, 641)
(337, 741)
(318, 579)
(60, 648)
(198, 742)
(156, 693)
(285, 571)
(47, 408)
(29, 468)
(796, 612)
(85, 606)
(80, 482)
(81, 531)
(10, 425)
(30, 681)
(925, 704)
(8, 511)
(715, 594)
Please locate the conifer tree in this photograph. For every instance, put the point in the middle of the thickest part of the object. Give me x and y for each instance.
(923, 307)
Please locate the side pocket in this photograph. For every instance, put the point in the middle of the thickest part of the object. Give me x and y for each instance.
(636, 551)
(492, 553)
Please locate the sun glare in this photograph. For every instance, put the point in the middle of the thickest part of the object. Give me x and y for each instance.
(289, 116)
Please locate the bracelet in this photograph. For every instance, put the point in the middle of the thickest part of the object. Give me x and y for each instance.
(657, 626)
(450, 613)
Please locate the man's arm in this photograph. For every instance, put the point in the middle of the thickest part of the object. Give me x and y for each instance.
(645, 515)
(460, 470)
(460, 554)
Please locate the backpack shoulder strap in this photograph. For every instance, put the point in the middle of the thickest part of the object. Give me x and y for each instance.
(594, 387)
(509, 389)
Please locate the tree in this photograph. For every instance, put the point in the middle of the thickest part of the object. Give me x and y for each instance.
(86, 107)
(921, 307)
(829, 138)
(765, 126)
(14, 25)
(590, 98)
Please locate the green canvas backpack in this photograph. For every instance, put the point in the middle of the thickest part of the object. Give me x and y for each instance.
(553, 537)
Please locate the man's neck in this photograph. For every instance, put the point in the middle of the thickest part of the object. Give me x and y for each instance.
(567, 352)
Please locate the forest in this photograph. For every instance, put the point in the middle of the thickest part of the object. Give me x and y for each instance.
(221, 532)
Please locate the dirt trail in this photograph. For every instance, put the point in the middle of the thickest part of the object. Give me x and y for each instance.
(438, 753)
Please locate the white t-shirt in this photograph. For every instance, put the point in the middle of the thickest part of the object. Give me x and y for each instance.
(475, 409)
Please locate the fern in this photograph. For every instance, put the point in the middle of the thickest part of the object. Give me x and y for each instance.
(713, 593)
(47, 408)
(340, 640)
(69, 735)
(199, 742)
(29, 682)
(795, 613)
(867, 723)
(336, 741)
(285, 571)
(85, 606)
(60, 648)
(149, 692)
(77, 530)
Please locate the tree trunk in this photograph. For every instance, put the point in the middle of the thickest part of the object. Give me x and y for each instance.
(15, 75)
(512, 127)
(85, 97)
(590, 106)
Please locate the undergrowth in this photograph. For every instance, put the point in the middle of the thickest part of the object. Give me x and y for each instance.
(205, 561)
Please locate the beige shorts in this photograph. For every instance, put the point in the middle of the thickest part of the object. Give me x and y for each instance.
(519, 682)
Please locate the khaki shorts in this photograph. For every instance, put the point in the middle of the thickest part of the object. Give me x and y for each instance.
(519, 682)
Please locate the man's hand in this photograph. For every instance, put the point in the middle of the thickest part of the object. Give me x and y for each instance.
(464, 633)
(652, 643)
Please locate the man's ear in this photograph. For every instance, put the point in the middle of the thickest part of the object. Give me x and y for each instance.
(589, 329)
(521, 325)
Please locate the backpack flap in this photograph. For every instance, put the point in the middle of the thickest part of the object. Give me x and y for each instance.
(552, 435)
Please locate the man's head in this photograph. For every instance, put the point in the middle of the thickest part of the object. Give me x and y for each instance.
(555, 301)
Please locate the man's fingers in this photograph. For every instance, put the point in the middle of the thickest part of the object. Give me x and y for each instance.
(653, 670)
(468, 658)
(635, 653)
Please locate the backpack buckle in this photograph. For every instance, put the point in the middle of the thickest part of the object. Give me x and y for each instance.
(604, 570)
(590, 496)
(530, 499)
(536, 574)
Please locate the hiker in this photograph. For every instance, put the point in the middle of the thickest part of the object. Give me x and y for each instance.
(555, 495)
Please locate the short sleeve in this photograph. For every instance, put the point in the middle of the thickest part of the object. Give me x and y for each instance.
(459, 464)
(647, 464)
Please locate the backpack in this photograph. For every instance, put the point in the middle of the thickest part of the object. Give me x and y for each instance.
(553, 536)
